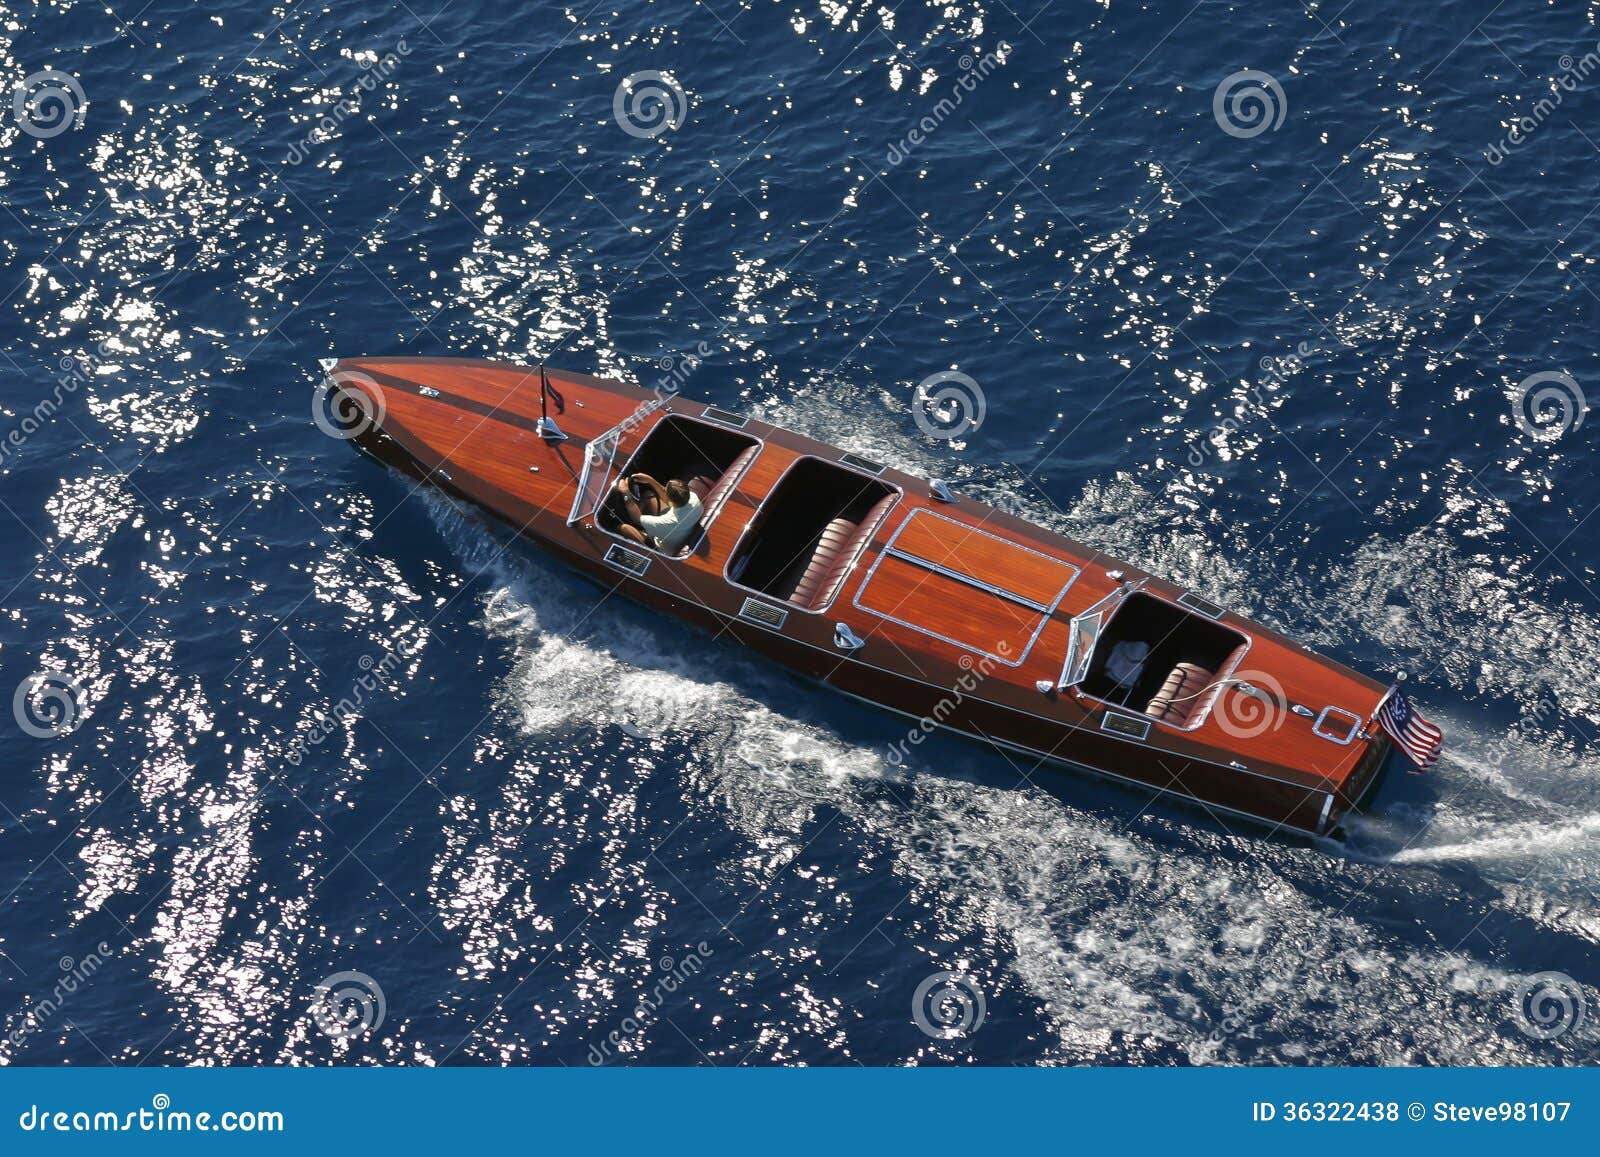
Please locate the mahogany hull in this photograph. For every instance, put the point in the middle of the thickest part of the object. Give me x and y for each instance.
(468, 428)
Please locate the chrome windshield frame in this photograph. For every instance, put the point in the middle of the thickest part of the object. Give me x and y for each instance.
(602, 449)
(1101, 612)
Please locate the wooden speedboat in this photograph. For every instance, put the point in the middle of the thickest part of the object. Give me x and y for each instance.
(892, 588)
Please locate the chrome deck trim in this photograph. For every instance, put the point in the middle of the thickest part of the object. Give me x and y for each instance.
(1046, 612)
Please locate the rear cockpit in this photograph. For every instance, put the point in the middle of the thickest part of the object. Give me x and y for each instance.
(1154, 657)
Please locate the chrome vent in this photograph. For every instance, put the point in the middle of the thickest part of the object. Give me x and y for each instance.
(427, 391)
(1204, 606)
(861, 463)
(1126, 725)
(629, 560)
(764, 613)
(726, 417)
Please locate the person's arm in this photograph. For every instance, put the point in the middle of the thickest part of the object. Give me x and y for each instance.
(660, 490)
(630, 507)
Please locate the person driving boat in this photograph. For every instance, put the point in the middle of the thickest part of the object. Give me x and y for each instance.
(659, 516)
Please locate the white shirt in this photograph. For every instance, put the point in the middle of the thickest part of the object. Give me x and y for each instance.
(672, 529)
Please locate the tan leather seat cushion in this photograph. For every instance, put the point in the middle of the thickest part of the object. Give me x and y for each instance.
(1180, 695)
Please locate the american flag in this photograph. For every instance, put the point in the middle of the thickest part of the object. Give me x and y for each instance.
(1418, 738)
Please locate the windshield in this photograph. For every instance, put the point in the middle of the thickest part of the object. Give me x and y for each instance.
(599, 457)
(1086, 630)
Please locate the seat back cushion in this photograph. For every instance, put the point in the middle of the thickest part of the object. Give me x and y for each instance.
(809, 573)
(1181, 694)
(839, 567)
(723, 485)
(713, 491)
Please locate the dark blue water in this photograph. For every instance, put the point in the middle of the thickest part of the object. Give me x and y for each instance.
(1280, 366)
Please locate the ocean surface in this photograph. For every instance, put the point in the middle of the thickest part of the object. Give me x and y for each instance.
(309, 767)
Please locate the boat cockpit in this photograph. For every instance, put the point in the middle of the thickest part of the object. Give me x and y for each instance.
(1153, 657)
(809, 531)
(709, 458)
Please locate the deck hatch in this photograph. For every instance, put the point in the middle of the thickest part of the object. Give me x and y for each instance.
(1204, 606)
(629, 560)
(966, 586)
(1337, 725)
(764, 613)
(725, 417)
(1126, 725)
(861, 463)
